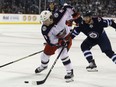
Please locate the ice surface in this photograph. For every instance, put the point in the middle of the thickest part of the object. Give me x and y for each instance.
(17, 41)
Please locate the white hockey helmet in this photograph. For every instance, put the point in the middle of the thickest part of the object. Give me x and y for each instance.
(45, 15)
(65, 4)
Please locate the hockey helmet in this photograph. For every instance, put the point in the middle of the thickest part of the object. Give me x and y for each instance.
(65, 4)
(87, 13)
(45, 15)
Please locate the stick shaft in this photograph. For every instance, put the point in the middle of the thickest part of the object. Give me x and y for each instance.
(20, 59)
(43, 81)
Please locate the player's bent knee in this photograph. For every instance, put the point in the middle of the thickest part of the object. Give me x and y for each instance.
(83, 47)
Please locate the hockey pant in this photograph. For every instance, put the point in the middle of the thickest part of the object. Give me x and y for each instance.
(50, 50)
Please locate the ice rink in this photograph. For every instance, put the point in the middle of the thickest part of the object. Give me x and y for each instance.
(17, 41)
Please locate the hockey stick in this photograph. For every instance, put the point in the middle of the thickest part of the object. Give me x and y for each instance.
(43, 81)
(21, 59)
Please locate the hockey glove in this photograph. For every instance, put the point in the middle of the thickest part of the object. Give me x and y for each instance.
(69, 22)
(62, 42)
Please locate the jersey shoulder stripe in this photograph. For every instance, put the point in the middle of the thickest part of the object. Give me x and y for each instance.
(46, 29)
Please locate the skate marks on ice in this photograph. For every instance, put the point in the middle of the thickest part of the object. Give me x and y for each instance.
(82, 78)
(24, 41)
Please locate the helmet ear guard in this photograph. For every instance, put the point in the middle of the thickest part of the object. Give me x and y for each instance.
(45, 15)
(51, 17)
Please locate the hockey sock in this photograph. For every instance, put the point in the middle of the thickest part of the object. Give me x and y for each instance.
(44, 60)
(114, 58)
(67, 63)
(88, 55)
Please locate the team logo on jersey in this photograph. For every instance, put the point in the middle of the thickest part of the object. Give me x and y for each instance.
(44, 28)
(91, 26)
(99, 19)
(56, 15)
(93, 35)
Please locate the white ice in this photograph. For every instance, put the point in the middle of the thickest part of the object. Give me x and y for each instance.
(17, 41)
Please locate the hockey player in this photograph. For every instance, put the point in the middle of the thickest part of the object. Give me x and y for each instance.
(93, 28)
(56, 33)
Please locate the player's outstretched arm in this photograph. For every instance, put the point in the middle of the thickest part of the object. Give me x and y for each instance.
(113, 24)
(75, 32)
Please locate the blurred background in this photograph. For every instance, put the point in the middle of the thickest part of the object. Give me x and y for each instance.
(104, 8)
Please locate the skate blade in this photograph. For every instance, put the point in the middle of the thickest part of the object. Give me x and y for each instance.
(92, 70)
(69, 80)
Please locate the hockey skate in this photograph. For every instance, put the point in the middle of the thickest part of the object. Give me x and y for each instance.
(92, 67)
(40, 69)
(69, 76)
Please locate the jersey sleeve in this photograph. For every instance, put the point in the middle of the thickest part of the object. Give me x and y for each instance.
(107, 22)
(45, 31)
(75, 13)
(113, 24)
(75, 32)
(72, 11)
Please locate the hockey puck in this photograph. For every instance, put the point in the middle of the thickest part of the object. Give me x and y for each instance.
(44, 43)
(26, 81)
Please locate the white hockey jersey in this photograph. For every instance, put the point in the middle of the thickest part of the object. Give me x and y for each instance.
(58, 29)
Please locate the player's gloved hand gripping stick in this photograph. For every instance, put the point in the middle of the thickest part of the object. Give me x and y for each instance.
(43, 81)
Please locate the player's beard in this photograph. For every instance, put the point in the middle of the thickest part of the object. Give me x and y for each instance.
(88, 21)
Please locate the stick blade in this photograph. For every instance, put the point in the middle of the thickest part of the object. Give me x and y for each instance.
(38, 82)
